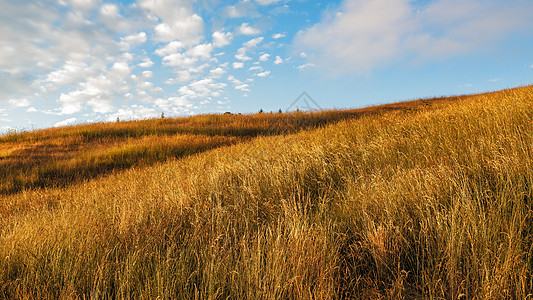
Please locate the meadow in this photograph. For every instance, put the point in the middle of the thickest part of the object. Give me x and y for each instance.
(428, 199)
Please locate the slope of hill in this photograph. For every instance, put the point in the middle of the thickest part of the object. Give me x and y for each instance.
(58, 157)
(431, 200)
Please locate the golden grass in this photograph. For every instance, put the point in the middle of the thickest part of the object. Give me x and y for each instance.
(428, 202)
(59, 157)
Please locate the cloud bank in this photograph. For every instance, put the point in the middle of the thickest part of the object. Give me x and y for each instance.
(363, 35)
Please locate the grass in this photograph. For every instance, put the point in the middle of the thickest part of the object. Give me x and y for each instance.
(59, 157)
(429, 199)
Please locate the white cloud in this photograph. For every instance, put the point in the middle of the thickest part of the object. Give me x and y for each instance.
(263, 74)
(266, 2)
(243, 87)
(20, 102)
(278, 36)
(246, 29)
(368, 34)
(148, 74)
(134, 39)
(170, 48)
(179, 60)
(241, 54)
(202, 51)
(217, 72)
(244, 8)
(254, 68)
(221, 39)
(134, 112)
(278, 60)
(253, 42)
(305, 66)
(238, 65)
(178, 20)
(147, 63)
(85, 4)
(264, 57)
(66, 122)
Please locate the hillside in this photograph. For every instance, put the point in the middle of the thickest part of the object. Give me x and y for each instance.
(423, 199)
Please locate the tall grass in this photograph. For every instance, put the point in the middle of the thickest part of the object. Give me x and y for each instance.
(58, 157)
(430, 202)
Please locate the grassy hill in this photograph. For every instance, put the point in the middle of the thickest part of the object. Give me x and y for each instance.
(423, 199)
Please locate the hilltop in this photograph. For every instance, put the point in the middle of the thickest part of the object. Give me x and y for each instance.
(422, 199)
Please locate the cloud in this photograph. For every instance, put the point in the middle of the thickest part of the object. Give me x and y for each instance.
(20, 102)
(246, 29)
(134, 39)
(253, 42)
(217, 72)
(169, 48)
(147, 63)
(238, 65)
(263, 74)
(363, 35)
(264, 57)
(278, 60)
(177, 20)
(305, 66)
(242, 9)
(243, 87)
(278, 36)
(66, 122)
(221, 39)
(266, 2)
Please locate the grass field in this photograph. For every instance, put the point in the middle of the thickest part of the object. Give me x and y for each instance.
(429, 199)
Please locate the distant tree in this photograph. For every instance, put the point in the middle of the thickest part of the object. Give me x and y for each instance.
(118, 120)
(162, 115)
(261, 111)
(279, 111)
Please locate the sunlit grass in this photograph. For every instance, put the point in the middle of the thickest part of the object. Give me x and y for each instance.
(426, 201)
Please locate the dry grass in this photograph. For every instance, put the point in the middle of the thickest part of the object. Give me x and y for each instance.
(428, 202)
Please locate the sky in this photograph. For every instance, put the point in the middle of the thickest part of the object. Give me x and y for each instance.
(66, 62)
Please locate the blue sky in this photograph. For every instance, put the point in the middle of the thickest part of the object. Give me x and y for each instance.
(66, 62)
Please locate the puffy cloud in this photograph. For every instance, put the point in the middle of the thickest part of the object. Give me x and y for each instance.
(148, 74)
(169, 48)
(278, 36)
(241, 54)
(203, 51)
(85, 4)
(243, 8)
(266, 2)
(263, 74)
(217, 72)
(364, 35)
(178, 20)
(134, 39)
(278, 60)
(253, 42)
(20, 102)
(264, 57)
(66, 122)
(243, 87)
(238, 65)
(179, 60)
(221, 39)
(147, 63)
(246, 29)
